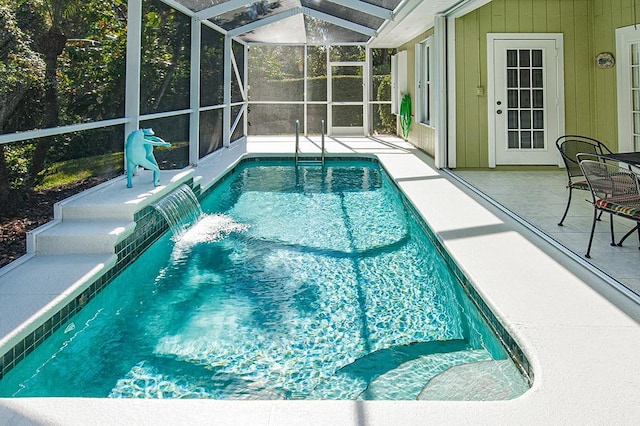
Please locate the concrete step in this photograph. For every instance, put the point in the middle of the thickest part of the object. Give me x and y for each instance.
(478, 381)
(75, 237)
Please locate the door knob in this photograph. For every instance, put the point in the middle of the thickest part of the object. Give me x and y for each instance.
(499, 111)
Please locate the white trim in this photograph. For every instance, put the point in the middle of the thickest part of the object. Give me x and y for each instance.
(624, 37)
(451, 137)
(53, 131)
(222, 8)
(339, 22)
(264, 21)
(164, 114)
(368, 8)
(226, 115)
(194, 92)
(439, 91)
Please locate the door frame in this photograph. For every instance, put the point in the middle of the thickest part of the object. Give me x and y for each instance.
(345, 131)
(624, 38)
(558, 38)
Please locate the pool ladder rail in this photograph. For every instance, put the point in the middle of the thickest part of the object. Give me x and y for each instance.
(300, 160)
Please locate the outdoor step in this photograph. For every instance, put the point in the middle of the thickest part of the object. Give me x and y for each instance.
(478, 381)
(407, 380)
(75, 237)
(114, 201)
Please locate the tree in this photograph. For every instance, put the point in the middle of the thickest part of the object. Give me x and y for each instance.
(50, 44)
(21, 78)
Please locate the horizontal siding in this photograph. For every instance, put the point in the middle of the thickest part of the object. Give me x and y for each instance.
(588, 28)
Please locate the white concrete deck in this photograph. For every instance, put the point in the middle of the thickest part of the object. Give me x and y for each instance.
(581, 337)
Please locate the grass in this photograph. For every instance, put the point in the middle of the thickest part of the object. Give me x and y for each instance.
(69, 171)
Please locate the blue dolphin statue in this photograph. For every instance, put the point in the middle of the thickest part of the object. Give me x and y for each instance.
(139, 152)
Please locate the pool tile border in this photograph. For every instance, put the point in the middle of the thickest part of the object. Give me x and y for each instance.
(150, 226)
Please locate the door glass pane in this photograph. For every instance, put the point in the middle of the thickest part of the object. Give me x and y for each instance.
(514, 141)
(536, 58)
(635, 54)
(512, 78)
(347, 115)
(538, 119)
(525, 140)
(525, 119)
(524, 58)
(538, 140)
(512, 58)
(525, 78)
(512, 120)
(346, 84)
(512, 98)
(536, 75)
(525, 99)
(537, 98)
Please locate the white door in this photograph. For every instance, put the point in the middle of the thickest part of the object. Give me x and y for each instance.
(628, 76)
(346, 99)
(526, 108)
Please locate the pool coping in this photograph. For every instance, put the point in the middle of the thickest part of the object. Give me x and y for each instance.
(580, 345)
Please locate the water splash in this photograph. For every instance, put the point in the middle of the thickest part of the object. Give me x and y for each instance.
(181, 209)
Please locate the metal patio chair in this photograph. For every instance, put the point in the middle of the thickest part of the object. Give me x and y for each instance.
(569, 146)
(614, 190)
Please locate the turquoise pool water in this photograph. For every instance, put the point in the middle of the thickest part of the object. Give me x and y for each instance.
(298, 283)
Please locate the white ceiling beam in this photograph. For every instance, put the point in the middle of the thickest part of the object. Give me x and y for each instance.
(222, 8)
(368, 8)
(265, 21)
(339, 22)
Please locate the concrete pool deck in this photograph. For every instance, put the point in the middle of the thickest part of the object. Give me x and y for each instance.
(581, 337)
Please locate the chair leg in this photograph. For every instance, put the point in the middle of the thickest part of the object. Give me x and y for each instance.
(613, 238)
(631, 231)
(566, 210)
(593, 228)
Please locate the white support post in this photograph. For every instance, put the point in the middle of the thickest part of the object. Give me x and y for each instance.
(245, 121)
(226, 116)
(194, 119)
(367, 80)
(304, 92)
(132, 82)
(440, 84)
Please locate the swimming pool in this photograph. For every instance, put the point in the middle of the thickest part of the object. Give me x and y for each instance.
(254, 302)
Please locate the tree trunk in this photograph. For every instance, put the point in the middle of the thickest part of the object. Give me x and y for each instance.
(50, 45)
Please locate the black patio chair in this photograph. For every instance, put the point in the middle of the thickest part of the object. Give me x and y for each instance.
(569, 146)
(614, 190)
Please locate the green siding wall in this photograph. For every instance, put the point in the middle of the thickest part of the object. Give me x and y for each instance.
(588, 27)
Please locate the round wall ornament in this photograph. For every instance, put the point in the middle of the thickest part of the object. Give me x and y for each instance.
(605, 60)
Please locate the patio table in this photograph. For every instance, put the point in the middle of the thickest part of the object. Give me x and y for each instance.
(631, 158)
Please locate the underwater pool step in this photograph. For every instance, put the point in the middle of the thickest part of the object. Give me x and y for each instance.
(76, 237)
(407, 380)
(492, 381)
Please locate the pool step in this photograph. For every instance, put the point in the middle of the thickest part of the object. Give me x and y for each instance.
(479, 381)
(407, 380)
(78, 237)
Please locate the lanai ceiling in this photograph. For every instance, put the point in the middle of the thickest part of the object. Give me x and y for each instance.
(381, 23)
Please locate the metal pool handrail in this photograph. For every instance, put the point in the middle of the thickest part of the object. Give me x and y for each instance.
(297, 139)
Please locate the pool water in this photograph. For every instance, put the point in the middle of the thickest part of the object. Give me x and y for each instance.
(298, 283)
